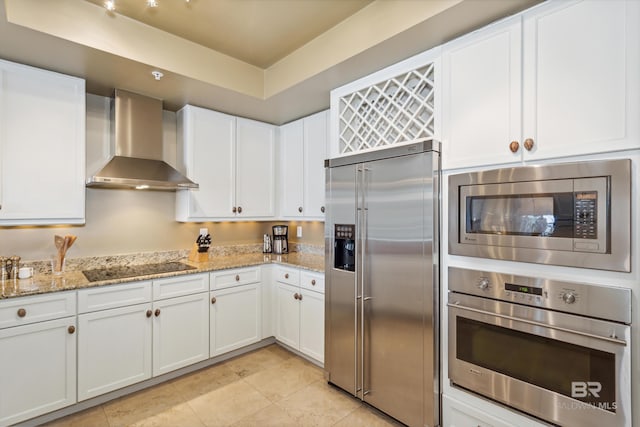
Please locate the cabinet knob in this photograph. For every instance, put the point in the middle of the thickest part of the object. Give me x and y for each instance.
(296, 296)
(300, 209)
(71, 329)
(157, 312)
(237, 277)
(528, 144)
(514, 146)
(299, 297)
(239, 209)
(313, 282)
(22, 312)
(286, 275)
(149, 313)
(322, 209)
(213, 300)
(234, 210)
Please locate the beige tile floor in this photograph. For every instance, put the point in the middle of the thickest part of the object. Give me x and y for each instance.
(267, 387)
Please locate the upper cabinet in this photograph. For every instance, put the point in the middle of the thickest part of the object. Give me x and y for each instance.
(303, 149)
(232, 159)
(559, 80)
(42, 147)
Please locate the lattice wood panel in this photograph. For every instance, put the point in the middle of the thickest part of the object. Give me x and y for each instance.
(391, 112)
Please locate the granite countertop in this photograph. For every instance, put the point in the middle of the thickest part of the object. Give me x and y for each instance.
(71, 280)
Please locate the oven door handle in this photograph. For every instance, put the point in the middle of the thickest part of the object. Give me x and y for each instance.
(532, 322)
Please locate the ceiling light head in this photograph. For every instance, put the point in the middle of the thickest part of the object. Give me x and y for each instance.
(152, 3)
(157, 74)
(110, 5)
(142, 187)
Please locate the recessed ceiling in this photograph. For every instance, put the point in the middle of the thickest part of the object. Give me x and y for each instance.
(269, 60)
(259, 32)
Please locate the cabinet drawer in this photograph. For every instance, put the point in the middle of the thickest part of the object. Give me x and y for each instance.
(182, 285)
(230, 278)
(290, 276)
(104, 297)
(22, 311)
(312, 281)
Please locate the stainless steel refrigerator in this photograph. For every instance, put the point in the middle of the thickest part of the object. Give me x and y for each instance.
(382, 280)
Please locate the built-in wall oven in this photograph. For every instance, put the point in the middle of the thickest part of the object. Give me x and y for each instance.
(559, 351)
(571, 214)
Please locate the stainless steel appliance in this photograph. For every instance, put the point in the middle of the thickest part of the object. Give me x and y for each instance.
(280, 239)
(556, 350)
(382, 280)
(572, 214)
(137, 158)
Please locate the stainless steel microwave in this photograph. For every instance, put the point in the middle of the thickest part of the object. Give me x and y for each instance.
(571, 214)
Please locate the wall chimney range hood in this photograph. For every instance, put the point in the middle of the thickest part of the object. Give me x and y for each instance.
(136, 125)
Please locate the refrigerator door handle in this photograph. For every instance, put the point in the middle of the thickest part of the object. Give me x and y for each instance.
(364, 236)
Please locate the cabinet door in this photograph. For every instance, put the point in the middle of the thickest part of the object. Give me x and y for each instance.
(206, 153)
(255, 172)
(236, 318)
(482, 96)
(315, 152)
(38, 369)
(292, 169)
(180, 332)
(114, 349)
(42, 135)
(288, 315)
(312, 324)
(581, 86)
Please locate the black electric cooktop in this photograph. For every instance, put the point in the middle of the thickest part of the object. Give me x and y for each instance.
(125, 271)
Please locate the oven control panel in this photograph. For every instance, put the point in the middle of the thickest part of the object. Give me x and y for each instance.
(605, 302)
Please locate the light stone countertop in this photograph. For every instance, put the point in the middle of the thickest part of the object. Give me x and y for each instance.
(72, 280)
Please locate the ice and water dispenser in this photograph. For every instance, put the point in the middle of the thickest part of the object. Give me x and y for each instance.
(344, 254)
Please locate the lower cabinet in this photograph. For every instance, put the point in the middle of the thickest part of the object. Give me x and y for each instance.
(37, 369)
(114, 349)
(235, 318)
(114, 337)
(180, 332)
(300, 311)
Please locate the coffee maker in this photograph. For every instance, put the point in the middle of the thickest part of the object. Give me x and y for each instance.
(280, 239)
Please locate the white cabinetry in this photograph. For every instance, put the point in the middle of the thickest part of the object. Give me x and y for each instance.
(300, 310)
(114, 337)
(561, 78)
(303, 149)
(38, 354)
(42, 134)
(232, 159)
(236, 309)
(181, 322)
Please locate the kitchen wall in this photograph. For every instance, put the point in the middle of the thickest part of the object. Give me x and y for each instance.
(130, 221)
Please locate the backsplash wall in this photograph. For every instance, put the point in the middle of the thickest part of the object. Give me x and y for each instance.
(130, 221)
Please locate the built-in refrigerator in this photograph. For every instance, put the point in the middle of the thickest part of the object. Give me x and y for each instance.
(382, 280)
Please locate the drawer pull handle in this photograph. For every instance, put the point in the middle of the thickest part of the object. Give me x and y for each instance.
(71, 329)
(237, 277)
(157, 312)
(149, 313)
(213, 300)
(286, 276)
(313, 282)
(22, 312)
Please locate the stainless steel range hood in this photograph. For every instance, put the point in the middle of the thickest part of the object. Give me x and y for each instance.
(137, 148)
